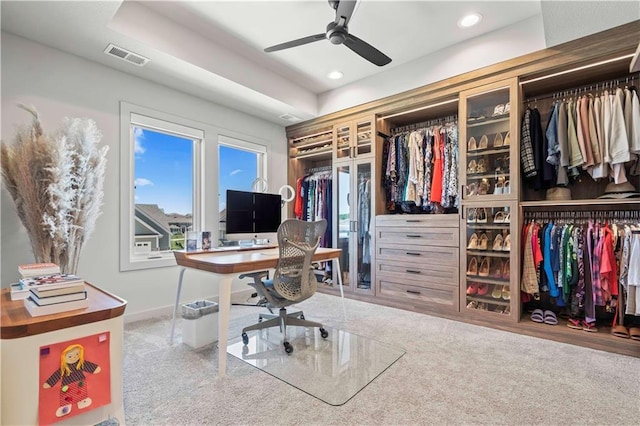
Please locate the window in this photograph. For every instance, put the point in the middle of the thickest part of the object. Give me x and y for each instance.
(241, 166)
(160, 186)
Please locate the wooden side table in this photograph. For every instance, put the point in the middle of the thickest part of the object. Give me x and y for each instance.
(22, 336)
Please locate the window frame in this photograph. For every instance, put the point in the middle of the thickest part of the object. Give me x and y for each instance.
(134, 115)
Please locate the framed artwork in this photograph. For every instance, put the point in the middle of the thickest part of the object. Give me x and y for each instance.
(74, 377)
(205, 240)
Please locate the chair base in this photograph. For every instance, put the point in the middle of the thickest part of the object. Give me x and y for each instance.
(283, 320)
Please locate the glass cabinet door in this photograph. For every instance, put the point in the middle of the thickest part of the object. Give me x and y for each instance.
(363, 223)
(364, 137)
(343, 140)
(488, 144)
(345, 224)
(488, 249)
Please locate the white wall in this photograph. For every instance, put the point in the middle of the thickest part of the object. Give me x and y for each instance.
(59, 85)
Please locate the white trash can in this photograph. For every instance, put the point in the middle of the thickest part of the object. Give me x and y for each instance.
(200, 325)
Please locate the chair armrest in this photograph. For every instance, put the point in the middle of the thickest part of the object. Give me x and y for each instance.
(255, 275)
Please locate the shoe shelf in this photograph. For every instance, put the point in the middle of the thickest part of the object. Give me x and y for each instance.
(487, 120)
(487, 226)
(489, 252)
(488, 299)
(491, 151)
(487, 280)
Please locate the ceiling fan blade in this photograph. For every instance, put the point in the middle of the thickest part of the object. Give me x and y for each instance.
(344, 11)
(367, 51)
(294, 43)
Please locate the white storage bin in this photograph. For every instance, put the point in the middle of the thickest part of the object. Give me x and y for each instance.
(200, 325)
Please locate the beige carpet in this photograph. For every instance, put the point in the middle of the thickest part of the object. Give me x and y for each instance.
(452, 373)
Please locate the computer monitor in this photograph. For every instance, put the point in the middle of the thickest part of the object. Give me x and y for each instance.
(253, 216)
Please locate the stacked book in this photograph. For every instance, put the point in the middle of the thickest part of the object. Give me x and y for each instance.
(51, 293)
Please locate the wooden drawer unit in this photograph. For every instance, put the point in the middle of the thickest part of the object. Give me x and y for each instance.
(435, 230)
(417, 261)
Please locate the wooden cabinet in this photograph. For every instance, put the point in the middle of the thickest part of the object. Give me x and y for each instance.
(417, 261)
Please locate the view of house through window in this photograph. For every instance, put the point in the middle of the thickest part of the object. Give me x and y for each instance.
(163, 196)
(240, 164)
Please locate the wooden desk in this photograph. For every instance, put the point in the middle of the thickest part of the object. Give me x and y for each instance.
(228, 264)
(23, 335)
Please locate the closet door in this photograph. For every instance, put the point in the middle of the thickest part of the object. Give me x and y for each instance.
(488, 142)
(354, 215)
(489, 253)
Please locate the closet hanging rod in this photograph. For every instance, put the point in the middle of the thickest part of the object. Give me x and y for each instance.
(586, 88)
(584, 67)
(423, 124)
(318, 169)
(384, 117)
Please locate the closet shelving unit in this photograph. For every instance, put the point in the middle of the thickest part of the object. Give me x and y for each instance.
(541, 91)
(521, 81)
(489, 181)
(417, 254)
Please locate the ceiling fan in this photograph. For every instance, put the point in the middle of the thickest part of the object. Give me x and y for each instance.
(338, 33)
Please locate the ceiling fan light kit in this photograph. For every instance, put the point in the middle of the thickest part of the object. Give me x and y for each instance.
(337, 32)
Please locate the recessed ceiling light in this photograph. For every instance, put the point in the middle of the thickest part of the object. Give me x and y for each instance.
(334, 75)
(469, 20)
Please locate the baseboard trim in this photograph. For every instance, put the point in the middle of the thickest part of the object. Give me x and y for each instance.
(236, 297)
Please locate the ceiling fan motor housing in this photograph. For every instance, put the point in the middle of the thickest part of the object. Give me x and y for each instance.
(336, 34)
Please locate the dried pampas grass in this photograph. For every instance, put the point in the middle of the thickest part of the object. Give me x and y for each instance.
(56, 184)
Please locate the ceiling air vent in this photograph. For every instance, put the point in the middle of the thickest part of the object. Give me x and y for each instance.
(289, 117)
(125, 55)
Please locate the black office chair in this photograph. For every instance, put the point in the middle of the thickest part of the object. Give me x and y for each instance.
(293, 280)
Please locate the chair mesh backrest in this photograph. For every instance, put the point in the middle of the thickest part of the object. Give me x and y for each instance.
(297, 242)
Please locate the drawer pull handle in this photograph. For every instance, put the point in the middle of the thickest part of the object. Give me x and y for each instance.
(413, 220)
(413, 236)
(413, 271)
(413, 292)
(413, 254)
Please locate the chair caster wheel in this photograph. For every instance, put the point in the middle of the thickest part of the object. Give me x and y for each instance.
(324, 333)
(245, 338)
(287, 347)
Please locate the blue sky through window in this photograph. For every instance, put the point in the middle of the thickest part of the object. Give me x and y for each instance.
(164, 171)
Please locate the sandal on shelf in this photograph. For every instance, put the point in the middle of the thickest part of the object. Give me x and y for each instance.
(507, 310)
(574, 323)
(499, 217)
(537, 316)
(483, 242)
(483, 188)
(506, 245)
(471, 216)
(472, 144)
(634, 332)
(550, 318)
(483, 289)
(484, 270)
(506, 293)
(506, 271)
(497, 243)
(471, 188)
(620, 331)
(484, 142)
(482, 166)
(498, 141)
(506, 188)
(497, 292)
(472, 289)
(507, 139)
(472, 305)
(472, 167)
(507, 108)
(507, 218)
(481, 215)
(589, 326)
(498, 188)
(498, 110)
(496, 271)
(473, 242)
(473, 267)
